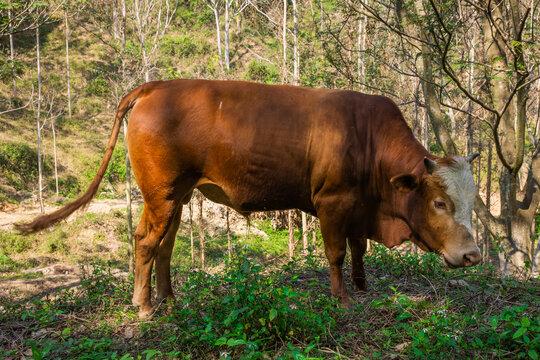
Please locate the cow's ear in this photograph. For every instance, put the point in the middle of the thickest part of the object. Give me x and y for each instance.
(405, 182)
(431, 166)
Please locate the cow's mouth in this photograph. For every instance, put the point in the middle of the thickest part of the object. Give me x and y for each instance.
(448, 263)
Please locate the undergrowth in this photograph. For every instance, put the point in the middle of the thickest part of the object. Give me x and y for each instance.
(251, 310)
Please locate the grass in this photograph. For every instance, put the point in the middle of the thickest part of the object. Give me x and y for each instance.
(88, 237)
(253, 308)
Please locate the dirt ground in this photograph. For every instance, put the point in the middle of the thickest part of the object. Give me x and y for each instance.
(45, 281)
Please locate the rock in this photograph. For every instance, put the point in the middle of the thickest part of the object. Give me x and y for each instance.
(458, 283)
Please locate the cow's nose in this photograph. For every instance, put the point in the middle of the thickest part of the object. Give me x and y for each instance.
(472, 258)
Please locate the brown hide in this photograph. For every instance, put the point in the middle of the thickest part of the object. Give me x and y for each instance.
(256, 147)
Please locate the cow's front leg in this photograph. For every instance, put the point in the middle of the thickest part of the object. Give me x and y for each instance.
(335, 247)
(358, 247)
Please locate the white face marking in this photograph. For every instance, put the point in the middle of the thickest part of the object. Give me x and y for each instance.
(461, 190)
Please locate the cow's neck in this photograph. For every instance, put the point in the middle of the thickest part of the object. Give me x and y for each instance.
(392, 218)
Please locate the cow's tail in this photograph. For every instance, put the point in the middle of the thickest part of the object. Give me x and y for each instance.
(44, 221)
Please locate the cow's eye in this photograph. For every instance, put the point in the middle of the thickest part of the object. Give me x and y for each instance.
(440, 205)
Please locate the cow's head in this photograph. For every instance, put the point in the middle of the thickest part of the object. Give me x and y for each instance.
(440, 209)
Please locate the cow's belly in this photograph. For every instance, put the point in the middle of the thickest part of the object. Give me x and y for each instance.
(247, 196)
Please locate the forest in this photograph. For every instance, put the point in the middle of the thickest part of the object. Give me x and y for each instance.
(465, 75)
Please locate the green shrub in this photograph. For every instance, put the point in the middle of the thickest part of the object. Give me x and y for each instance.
(262, 72)
(7, 67)
(185, 46)
(68, 186)
(206, 17)
(6, 264)
(116, 171)
(18, 164)
(11, 243)
(55, 242)
(185, 15)
(97, 84)
(245, 309)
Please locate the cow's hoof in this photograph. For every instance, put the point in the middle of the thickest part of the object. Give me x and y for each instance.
(360, 284)
(146, 312)
(346, 302)
(169, 301)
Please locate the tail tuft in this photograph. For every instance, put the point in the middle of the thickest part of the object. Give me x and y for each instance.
(44, 221)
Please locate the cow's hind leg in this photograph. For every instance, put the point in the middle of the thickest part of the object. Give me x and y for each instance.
(156, 220)
(163, 259)
(358, 247)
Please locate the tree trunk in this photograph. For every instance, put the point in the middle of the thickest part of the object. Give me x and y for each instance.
(115, 26)
(304, 233)
(296, 55)
(432, 101)
(362, 26)
(67, 64)
(201, 230)
(487, 238)
(517, 223)
(55, 157)
(471, 90)
(192, 241)
(227, 26)
(229, 247)
(291, 235)
(425, 131)
(145, 63)
(12, 57)
(218, 31)
(124, 19)
(284, 33)
(40, 174)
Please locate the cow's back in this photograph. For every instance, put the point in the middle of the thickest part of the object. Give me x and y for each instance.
(252, 146)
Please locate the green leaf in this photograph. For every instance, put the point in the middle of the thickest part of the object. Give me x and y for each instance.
(235, 342)
(525, 322)
(533, 354)
(273, 314)
(494, 321)
(403, 316)
(519, 332)
(221, 341)
(150, 353)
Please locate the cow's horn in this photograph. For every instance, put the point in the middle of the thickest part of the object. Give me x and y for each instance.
(431, 166)
(471, 157)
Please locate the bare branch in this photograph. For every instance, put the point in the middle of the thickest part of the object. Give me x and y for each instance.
(22, 107)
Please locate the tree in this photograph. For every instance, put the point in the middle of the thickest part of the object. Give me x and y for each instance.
(296, 55)
(12, 56)
(232, 10)
(284, 43)
(151, 20)
(38, 123)
(20, 15)
(437, 32)
(215, 5)
(68, 76)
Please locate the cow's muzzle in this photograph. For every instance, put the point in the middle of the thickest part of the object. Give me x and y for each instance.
(466, 259)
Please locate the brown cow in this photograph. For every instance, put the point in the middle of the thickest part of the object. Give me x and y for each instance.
(346, 157)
